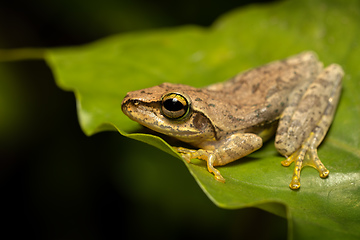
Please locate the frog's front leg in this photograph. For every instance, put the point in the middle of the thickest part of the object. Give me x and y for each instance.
(223, 151)
(305, 122)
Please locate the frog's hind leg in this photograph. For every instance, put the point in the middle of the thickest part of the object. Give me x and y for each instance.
(302, 130)
(306, 155)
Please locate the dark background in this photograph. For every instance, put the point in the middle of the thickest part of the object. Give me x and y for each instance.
(57, 183)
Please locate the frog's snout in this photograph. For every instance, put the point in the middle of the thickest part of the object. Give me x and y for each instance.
(126, 98)
(125, 104)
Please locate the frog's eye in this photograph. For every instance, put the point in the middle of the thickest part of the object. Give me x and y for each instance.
(174, 105)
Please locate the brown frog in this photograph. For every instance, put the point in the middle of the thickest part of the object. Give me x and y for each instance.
(295, 97)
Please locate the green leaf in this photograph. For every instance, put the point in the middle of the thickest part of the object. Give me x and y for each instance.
(102, 73)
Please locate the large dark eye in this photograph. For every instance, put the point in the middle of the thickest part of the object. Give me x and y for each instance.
(174, 105)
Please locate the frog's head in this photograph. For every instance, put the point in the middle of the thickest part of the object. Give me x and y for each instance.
(168, 109)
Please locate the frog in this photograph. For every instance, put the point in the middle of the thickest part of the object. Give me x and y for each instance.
(294, 99)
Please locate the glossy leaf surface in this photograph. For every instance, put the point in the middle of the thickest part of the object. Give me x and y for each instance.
(103, 72)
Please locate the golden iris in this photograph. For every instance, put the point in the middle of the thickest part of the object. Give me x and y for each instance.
(174, 105)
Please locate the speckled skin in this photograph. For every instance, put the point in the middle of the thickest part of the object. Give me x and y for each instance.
(229, 120)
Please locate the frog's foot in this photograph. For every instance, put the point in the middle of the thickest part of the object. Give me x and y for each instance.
(207, 155)
(306, 155)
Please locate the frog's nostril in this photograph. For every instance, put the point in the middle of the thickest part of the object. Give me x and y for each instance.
(136, 102)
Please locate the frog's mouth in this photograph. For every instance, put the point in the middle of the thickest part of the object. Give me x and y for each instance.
(193, 128)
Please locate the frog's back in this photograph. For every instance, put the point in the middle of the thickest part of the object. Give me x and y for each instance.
(256, 85)
(259, 95)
